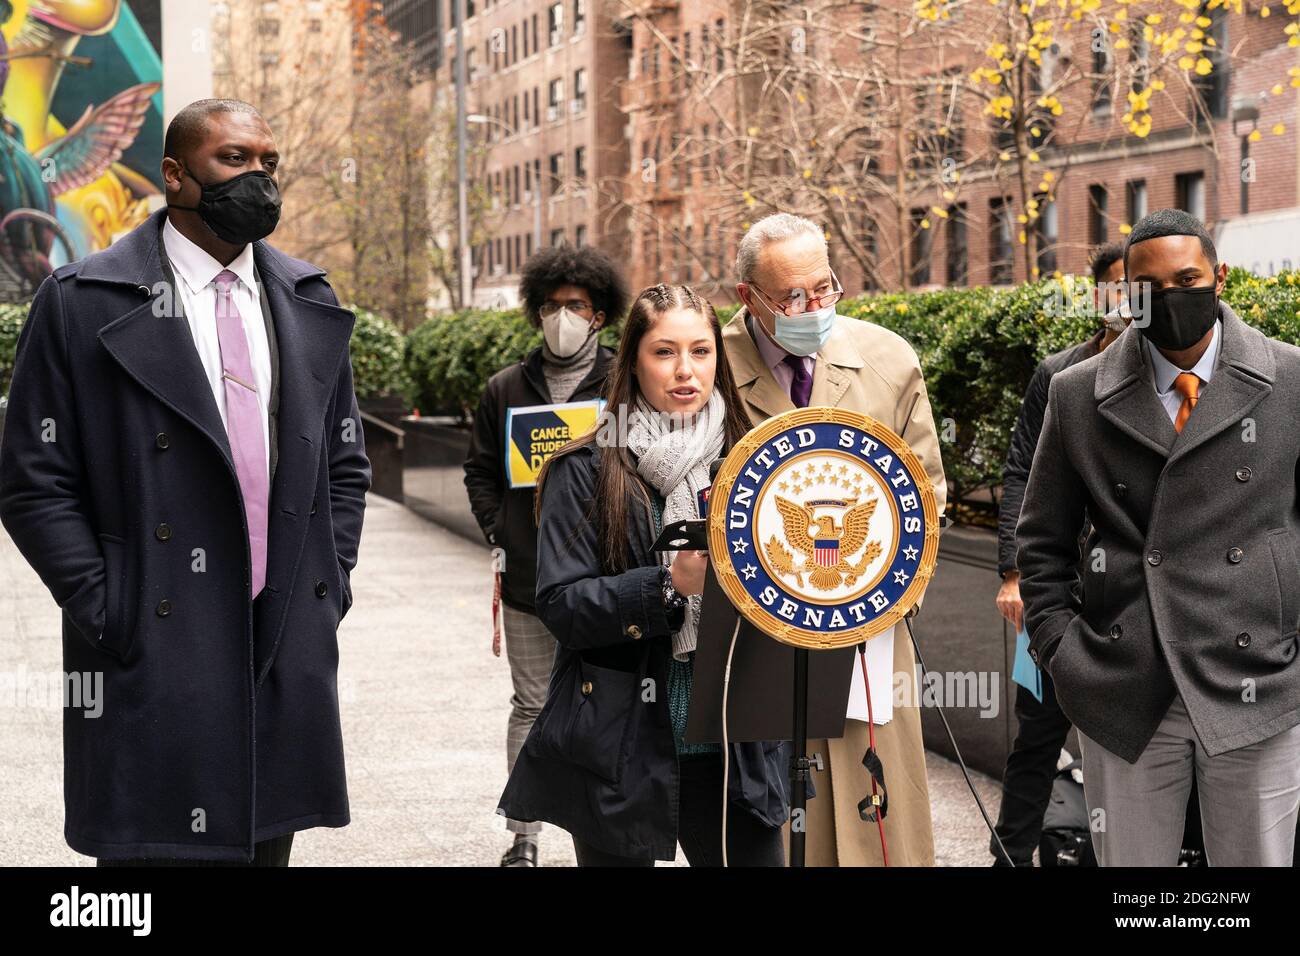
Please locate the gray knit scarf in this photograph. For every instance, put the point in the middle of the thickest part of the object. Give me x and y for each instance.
(564, 375)
(673, 456)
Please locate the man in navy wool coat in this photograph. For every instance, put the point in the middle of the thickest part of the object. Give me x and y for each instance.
(183, 465)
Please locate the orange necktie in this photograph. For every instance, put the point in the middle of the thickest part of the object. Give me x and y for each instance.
(1186, 385)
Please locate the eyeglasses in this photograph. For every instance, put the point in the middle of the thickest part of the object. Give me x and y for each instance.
(800, 301)
(550, 307)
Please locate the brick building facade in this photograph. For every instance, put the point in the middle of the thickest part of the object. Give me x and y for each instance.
(614, 122)
(539, 73)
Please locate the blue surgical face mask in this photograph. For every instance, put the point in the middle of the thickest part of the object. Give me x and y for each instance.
(805, 333)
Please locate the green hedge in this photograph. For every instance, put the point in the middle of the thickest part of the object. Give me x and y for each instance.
(378, 351)
(12, 317)
(451, 357)
(978, 348)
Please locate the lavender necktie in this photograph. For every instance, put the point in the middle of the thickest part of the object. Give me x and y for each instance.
(244, 424)
(801, 385)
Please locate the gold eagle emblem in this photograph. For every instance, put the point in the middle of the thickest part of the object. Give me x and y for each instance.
(799, 520)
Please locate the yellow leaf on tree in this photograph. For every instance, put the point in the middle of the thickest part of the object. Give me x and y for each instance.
(1278, 129)
(1125, 229)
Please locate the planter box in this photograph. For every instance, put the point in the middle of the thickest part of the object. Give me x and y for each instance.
(433, 474)
(385, 445)
(965, 641)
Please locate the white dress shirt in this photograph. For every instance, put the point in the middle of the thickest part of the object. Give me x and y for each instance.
(1166, 371)
(196, 272)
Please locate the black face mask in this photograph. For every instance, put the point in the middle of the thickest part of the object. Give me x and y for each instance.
(241, 209)
(1178, 318)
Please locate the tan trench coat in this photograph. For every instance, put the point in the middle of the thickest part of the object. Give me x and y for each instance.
(866, 369)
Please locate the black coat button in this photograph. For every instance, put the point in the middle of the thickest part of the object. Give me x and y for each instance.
(1121, 490)
(1034, 654)
(1244, 473)
(1154, 558)
(162, 441)
(163, 531)
(321, 589)
(1243, 639)
(313, 506)
(164, 608)
(1234, 555)
(1116, 632)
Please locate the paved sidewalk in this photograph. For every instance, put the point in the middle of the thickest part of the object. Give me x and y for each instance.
(424, 707)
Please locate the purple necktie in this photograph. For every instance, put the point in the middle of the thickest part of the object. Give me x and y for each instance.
(801, 385)
(244, 424)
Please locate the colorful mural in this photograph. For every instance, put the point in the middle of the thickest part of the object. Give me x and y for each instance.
(80, 130)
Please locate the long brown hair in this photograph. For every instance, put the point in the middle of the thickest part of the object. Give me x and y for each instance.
(617, 480)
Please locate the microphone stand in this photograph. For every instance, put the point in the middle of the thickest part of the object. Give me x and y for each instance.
(799, 763)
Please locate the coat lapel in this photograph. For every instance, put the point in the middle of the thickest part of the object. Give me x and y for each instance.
(837, 362)
(1126, 394)
(312, 339)
(1242, 379)
(152, 341)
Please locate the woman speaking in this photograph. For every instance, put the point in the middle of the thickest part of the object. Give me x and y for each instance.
(606, 759)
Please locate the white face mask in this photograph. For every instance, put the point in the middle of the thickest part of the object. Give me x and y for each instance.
(565, 332)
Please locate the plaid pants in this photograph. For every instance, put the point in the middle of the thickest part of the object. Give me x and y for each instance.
(530, 649)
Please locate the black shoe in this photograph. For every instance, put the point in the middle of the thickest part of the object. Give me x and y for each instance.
(522, 853)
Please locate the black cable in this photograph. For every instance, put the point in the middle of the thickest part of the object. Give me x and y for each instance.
(953, 740)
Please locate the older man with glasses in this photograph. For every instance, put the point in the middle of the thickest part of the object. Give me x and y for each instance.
(788, 349)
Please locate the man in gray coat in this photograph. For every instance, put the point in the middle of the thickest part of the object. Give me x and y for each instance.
(1179, 444)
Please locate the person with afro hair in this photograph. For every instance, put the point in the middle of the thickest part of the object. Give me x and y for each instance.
(570, 294)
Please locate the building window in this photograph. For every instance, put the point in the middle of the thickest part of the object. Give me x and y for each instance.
(1102, 89)
(580, 237)
(1046, 235)
(1001, 266)
(1189, 188)
(557, 172)
(579, 15)
(1098, 200)
(580, 163)
(958, 264)
(719, 45)
(1214, 86)
(268, 28)
(919, 248)
(580, 89)
(1135, 200)
(555, 22)
(554, 98)
(557, 237)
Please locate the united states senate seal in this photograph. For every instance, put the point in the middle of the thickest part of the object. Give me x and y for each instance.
(823, 527)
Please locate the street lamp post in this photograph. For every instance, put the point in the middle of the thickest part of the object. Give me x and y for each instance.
(462, 188)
